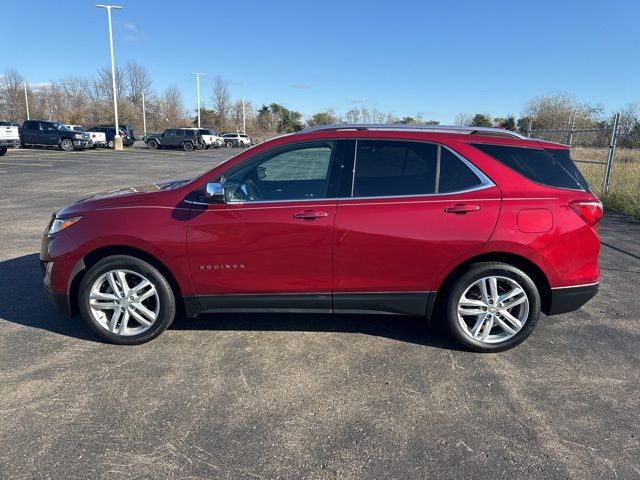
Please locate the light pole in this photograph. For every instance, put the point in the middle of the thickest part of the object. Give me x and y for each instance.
(26, 99)
(117, 140)
(144, 116)
(244, 122)
(198, 90)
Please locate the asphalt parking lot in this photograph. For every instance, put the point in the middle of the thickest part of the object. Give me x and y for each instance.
(290, 396)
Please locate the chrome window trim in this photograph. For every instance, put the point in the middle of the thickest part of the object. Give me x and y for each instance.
(485, 182)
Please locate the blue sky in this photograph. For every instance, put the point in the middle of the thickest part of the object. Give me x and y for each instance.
(439, 58)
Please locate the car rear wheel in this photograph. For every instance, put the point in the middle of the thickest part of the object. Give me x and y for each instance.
(229, 144)
(111, 144)
(152, 144)
(493, 307)
(66, 145)
(126, 301)
(187, 146)
(3, 150)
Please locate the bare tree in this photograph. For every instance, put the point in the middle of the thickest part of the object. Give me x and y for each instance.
(221, 102)
(556, 110)
(103, 85)
(629, 118)
(171, 107)
(12, 102)
(138, 82)
(353, 116)
(463, 119)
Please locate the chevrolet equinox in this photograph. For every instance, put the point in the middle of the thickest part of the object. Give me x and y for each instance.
(480, 228)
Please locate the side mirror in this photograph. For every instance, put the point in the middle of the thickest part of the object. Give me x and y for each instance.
(214, 193)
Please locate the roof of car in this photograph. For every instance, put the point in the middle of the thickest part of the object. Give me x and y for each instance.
(466, 130)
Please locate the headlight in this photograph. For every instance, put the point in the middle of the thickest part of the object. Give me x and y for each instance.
(59, 224)
(78, 136)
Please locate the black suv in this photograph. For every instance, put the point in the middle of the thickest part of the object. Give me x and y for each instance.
(110, 133)
(39, 133)
(186, 138)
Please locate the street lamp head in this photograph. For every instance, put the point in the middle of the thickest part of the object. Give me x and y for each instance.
(197, 74)
(108, 6)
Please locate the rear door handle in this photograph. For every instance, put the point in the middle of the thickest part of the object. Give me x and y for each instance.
(310, 214)
(462, 208)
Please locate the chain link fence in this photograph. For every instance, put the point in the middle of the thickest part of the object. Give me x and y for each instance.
(609, 160)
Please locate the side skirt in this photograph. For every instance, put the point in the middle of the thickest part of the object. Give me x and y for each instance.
(389, 303)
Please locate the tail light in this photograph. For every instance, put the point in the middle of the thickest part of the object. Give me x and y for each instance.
(589, 210)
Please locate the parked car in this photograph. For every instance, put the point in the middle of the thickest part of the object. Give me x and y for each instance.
(110, 133)
(479, 228)
(9, 137)
(40, 133)
(184, 138)
(239, 140)
(99, 139)
(208, 137)
(128, 129)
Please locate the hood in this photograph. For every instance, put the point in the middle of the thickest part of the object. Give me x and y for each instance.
(150, 188)
(122, 196)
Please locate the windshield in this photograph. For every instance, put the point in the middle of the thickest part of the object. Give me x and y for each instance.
(59, 126)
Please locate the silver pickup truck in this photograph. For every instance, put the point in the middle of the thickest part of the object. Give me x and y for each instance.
(9, 138)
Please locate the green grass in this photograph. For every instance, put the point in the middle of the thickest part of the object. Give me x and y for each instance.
(624, 187)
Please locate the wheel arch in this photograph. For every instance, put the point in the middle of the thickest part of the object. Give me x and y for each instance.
(94, 256)
(518, 261)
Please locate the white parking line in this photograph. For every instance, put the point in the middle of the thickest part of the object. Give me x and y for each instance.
(26, 164)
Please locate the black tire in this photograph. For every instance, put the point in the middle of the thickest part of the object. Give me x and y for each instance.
(229, 144)
(201, 146)
(152, 144)
(3, 151)
(474, 273)
(188, 147)
(66, 144)
(165, 298)
(111, 144)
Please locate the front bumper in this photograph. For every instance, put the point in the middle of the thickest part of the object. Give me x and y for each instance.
(569, 299)
(82, 143)
(58, 300)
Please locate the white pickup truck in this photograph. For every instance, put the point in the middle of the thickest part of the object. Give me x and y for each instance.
(99, 139)
(9, 138)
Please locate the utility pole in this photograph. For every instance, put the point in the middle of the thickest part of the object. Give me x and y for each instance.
(144, 116)
(197, 75)
(26, 99)
(244, 122)
(117, 140)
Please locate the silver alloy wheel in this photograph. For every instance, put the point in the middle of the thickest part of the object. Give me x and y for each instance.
(493, 309)
(66, 144)
(124, 302)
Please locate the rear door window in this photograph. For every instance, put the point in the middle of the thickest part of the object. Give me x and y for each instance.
(534, 163)
(388, 168)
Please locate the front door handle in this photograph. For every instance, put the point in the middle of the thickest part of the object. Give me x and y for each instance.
(462, 208)
(310, 214)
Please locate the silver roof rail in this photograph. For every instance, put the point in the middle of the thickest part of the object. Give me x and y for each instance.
(428, 128)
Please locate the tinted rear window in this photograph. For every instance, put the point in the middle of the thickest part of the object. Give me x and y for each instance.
(563, 157)
(534, 163)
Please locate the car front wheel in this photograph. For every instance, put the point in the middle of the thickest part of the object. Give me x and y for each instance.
(3, 150)
(493, 307)
(66, 145)
(125, 300)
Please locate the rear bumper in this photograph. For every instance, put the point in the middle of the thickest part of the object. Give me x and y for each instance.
(9, 143)
(568, 299)
(58, 300)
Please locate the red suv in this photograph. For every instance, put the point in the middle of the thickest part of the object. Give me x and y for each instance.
(482, 228)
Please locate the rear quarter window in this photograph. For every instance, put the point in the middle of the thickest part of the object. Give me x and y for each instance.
(533, 163)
